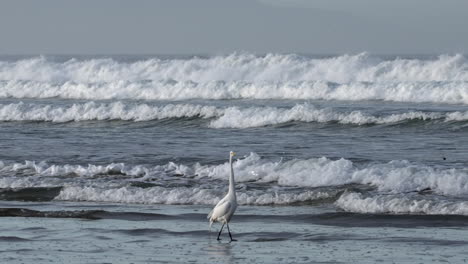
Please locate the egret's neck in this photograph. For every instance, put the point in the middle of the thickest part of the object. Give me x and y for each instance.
(232, 183)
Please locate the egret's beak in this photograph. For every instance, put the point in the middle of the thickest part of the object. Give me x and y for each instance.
(233, 153)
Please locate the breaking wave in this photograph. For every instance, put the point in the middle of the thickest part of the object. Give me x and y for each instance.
(396, 187)
(94, 111)
(228, 117)
(182, 195)
(394, 177)
(234, 117)
(453, 92)
(397, 204)
(241, 67)
(241, 76)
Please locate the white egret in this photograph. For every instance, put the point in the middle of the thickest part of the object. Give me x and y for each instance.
(225, 208)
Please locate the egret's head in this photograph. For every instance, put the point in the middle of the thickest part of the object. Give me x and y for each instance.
(232, 153)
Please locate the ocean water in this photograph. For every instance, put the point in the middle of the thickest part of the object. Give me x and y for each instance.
(335, 155)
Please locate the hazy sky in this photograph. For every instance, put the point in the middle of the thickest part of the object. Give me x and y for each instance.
(222, 26)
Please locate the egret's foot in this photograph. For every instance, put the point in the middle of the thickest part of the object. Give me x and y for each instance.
(218, 239)
(233, 240)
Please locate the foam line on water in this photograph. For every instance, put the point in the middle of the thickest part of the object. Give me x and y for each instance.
(183, 195)
(397, 204)
(221, 117)
(95, 111)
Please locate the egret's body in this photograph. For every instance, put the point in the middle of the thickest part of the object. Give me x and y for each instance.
(225, 208)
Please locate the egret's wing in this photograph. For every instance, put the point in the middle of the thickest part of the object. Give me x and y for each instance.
(221, 209)
(220, 202)
(210, 214)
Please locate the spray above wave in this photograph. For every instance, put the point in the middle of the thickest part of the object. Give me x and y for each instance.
(241, 67)
(229, 117)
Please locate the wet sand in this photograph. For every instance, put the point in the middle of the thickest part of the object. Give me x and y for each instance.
(110, 233)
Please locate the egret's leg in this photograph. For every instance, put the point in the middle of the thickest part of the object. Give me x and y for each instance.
(230, 233)
(221, 230)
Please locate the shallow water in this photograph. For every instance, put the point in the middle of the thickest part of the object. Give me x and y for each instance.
(174, 234)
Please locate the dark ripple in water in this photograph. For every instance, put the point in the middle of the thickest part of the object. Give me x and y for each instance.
(12, 239)
(30, 194)
(341, 219)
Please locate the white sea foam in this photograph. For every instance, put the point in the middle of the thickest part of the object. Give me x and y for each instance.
(94, 111)
(45, 170)
(229, 117)
(454, 92)
(234, 117)
(241, 67)
(348, 77)
(397, 204)
(457, 116)
(110, 183)
(182, 195)
(393, 177)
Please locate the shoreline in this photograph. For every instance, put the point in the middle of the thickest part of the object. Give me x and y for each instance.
(182, 235)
